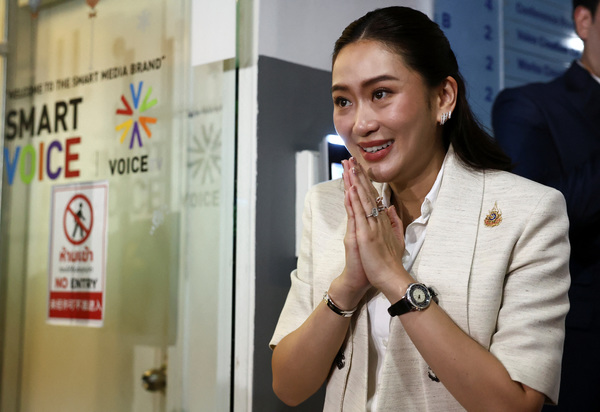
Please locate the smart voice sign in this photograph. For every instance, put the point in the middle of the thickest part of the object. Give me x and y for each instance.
(77, 267)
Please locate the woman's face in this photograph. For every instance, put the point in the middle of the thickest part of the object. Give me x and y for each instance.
(386, 114)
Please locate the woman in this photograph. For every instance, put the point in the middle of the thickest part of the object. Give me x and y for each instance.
(446, 278)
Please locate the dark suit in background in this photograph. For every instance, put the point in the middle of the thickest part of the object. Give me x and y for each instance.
(552, 133)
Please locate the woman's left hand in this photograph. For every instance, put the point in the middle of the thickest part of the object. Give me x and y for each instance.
(380, 238)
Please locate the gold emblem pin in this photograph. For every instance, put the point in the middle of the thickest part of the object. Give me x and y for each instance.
(494, 216)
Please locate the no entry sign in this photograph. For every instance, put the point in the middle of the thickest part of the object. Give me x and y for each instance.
(77, 267)
(79, 217)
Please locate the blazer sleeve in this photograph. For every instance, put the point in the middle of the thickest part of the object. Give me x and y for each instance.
(530, 326)
(298, 305)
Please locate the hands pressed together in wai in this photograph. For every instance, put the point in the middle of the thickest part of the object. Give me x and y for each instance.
(374, 241)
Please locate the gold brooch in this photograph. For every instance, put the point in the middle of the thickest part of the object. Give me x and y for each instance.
(494, 216)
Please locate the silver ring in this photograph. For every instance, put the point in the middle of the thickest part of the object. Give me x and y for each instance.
(374, 212)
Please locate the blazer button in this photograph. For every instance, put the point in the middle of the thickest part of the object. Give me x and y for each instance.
(340, 360)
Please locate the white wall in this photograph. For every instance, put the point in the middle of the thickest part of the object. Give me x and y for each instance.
(304, 32)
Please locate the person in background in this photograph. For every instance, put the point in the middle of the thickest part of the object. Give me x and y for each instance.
(551, 131)
(429, 278)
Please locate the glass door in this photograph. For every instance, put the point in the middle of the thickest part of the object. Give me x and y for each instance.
(117, 211)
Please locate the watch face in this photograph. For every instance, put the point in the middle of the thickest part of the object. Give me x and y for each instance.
(419, 296)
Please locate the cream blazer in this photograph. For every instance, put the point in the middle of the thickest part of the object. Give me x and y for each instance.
(505, 285)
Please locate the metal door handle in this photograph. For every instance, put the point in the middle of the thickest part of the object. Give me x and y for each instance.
(155, 380)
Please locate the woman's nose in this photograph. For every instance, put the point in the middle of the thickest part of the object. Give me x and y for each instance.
(365, 121)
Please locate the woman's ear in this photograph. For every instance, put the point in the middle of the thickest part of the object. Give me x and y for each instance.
(447, 95)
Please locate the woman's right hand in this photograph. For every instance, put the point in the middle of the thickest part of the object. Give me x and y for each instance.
(349, 288)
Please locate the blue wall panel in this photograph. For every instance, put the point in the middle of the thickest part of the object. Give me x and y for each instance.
(507, 43)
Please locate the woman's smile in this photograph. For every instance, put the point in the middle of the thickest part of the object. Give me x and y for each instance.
(374, 151)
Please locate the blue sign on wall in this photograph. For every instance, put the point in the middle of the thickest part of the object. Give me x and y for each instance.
(474, 35)
(539, 40)
(507, 43)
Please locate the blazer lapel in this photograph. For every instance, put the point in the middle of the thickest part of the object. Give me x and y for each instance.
(445, 259)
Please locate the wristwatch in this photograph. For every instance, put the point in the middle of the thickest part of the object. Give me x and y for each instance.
(417, 297)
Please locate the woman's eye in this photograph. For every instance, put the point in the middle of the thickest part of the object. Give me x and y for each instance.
(341, 102)
(379, 94)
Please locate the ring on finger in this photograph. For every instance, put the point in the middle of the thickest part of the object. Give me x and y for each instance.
(376, 210)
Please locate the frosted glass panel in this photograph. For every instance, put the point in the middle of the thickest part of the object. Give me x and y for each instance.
(117, 211)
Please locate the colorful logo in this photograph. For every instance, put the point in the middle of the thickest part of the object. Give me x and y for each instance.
(143, 121)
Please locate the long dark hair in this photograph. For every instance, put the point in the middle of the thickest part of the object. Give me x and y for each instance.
(426, 50)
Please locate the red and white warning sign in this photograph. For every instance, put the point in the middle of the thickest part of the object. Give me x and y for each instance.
(77, 267)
